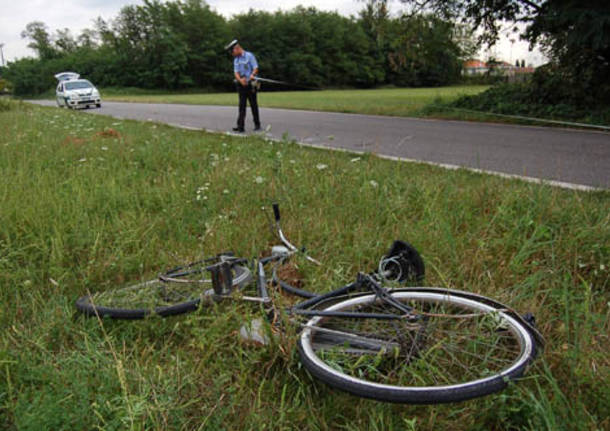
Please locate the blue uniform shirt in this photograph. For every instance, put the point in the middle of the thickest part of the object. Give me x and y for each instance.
(245, 64)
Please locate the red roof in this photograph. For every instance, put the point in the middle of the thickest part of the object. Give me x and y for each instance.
(471, 64)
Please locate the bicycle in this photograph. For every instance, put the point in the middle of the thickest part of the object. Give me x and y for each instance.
(374, 337)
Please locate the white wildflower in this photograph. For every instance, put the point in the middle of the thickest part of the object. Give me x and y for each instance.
(374, 183)
(259, 180)
(321, 166)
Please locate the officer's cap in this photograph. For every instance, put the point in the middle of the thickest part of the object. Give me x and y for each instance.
(230, 46)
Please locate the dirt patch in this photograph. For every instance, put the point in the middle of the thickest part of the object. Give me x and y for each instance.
(108, 133)
(73, 140)
(289, 273)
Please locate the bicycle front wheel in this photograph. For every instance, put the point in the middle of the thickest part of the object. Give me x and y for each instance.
(450, 348)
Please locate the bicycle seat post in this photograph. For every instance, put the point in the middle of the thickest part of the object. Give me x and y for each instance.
(222, 278)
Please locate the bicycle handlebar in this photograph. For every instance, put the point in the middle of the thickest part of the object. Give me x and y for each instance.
(291, 247)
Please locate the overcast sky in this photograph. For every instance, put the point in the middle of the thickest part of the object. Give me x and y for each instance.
(79, 14)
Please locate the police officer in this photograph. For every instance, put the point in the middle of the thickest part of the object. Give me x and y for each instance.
(245, 69)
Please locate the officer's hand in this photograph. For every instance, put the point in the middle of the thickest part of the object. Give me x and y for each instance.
(243, 82)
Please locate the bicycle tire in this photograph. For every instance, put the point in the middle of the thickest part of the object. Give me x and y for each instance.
(106, 304)
(430, 356)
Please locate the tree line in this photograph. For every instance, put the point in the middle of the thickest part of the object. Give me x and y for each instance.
(179, 44)
(575, 36)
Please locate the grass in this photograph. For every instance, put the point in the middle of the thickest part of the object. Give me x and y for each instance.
(89, 202)
(402, 102)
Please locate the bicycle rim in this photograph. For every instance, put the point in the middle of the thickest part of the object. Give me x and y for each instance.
(457, 349)
(165, 298)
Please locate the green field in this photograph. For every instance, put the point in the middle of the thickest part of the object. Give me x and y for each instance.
(89, 202)
(390, 101)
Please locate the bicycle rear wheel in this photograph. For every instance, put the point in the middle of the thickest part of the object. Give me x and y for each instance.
(454, 349)
(176, 294)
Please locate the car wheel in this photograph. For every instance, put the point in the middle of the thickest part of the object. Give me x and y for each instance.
(99, 105)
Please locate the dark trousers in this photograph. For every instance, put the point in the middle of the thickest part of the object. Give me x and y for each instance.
(247, 93)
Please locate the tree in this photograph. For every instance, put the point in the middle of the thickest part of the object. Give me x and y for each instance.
(488, 16)
(65, 41)
(574, 33)
(179, 43)
(88, 39)
(423, 52)
(376, 21)
(40, 40)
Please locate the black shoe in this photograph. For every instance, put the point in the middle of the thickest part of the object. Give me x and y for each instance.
(238, 129)
(257, 128)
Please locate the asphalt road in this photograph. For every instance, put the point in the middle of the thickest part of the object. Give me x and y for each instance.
(563, 155)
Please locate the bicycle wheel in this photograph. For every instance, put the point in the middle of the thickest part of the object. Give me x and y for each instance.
(454, 348)
(176, 295)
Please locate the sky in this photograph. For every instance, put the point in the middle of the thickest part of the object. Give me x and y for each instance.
(79, 14)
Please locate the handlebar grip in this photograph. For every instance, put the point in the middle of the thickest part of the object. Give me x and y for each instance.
(276, 211)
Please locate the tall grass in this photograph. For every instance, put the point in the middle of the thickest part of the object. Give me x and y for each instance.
(88, 202)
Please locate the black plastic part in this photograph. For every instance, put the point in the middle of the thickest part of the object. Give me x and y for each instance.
(530, 318)
(412, 266)
(276, 211)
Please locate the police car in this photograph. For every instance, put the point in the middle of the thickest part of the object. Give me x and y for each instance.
(73, 92)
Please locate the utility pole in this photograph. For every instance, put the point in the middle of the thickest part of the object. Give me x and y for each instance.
(2, 54)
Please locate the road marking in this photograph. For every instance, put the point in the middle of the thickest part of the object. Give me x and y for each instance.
(540, 181)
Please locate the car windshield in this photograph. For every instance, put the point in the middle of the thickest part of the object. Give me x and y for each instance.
(77, 85)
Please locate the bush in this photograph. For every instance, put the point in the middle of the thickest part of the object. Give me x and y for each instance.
(5, 105)
(548, 94)
(482, 79)
(5, 86)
